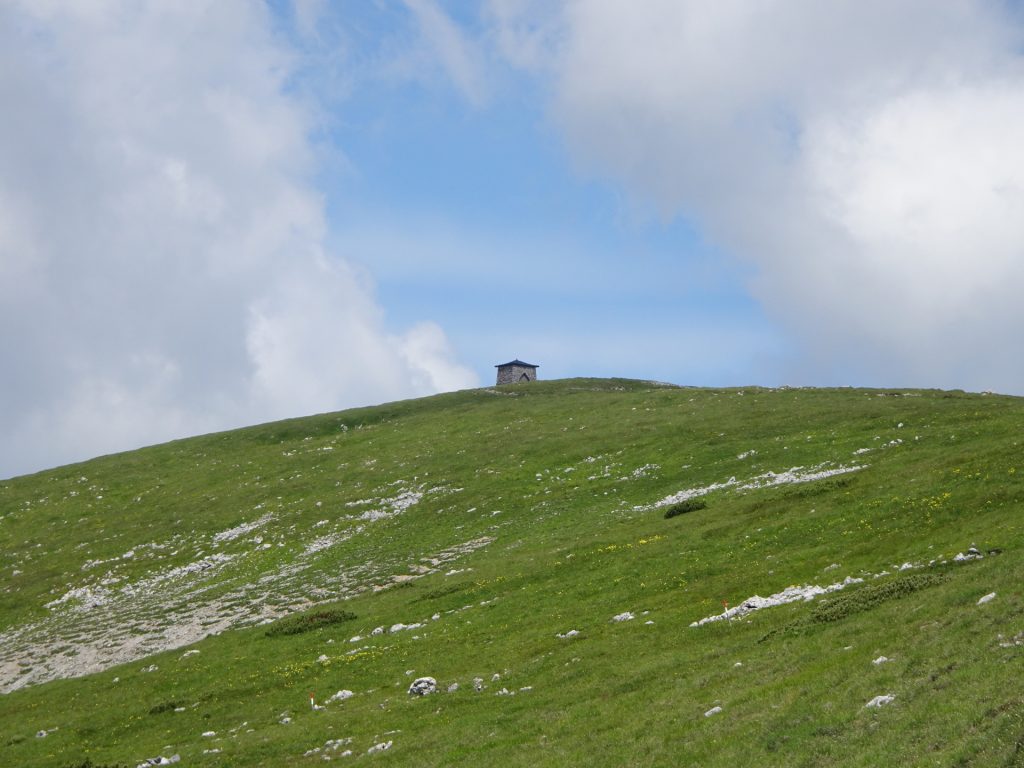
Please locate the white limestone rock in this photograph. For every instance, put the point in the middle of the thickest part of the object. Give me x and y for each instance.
(880, 701)
(423, 686)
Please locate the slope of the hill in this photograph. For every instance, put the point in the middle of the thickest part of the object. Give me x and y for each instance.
(512, 544)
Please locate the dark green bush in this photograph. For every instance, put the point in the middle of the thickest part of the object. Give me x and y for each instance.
(690, 505)
(868, 597)
(307, 622)
(863, 599)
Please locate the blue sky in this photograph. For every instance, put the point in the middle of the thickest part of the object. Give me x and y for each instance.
(223, 212)
(473, 215)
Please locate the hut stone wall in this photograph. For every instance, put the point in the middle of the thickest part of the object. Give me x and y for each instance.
(510, 374)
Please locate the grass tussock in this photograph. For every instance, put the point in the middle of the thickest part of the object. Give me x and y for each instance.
(308, 622)
(167, 706)
(447, 589)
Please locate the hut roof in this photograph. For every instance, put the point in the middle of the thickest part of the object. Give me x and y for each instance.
(518, 362)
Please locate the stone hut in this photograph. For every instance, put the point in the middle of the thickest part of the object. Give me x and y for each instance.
(516, 371)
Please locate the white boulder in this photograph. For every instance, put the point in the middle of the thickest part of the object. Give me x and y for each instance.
(423, 686)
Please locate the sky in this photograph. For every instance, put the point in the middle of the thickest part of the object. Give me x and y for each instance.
(215, 213)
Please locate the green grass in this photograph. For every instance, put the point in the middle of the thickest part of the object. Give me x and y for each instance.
(285, 541)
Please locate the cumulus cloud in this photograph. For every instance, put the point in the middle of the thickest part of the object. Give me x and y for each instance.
(864, 156)
(162, 267)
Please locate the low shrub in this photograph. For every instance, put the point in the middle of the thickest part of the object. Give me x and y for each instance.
(868, 597)
(690, 505)
(307, 622)
(863, 599)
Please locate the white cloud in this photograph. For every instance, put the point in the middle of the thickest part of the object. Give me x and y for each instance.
(426, 351)
(525, 32)
(865, 156)
(459, 56)
(161, 246)
(308, 16)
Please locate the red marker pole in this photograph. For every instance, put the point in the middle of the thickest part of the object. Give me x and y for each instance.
(312, 701)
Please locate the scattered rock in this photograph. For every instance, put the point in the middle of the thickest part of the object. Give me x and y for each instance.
(209, 734)
(285, 720)
(971, 554)
(624, 616)
(423, 686)
(331, 745)
(712, 711)
(495, 677)
(159, 761)
(41, 734)
(990, 596)
(399, 627)
(880, 701)
(788, 595)
(738, 664)
(648, 622)
(570, 633)
(505, 692)
(880, 660)
(378, 631)
(478, 684)
(453, 688)
(341, 696)
(383, 746)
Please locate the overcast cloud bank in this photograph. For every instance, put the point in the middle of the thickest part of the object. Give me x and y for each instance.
(865, 156)
(162, 268)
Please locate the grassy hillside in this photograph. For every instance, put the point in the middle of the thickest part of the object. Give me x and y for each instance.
(187, 599)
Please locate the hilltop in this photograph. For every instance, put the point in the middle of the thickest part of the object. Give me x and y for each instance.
(613, 572)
